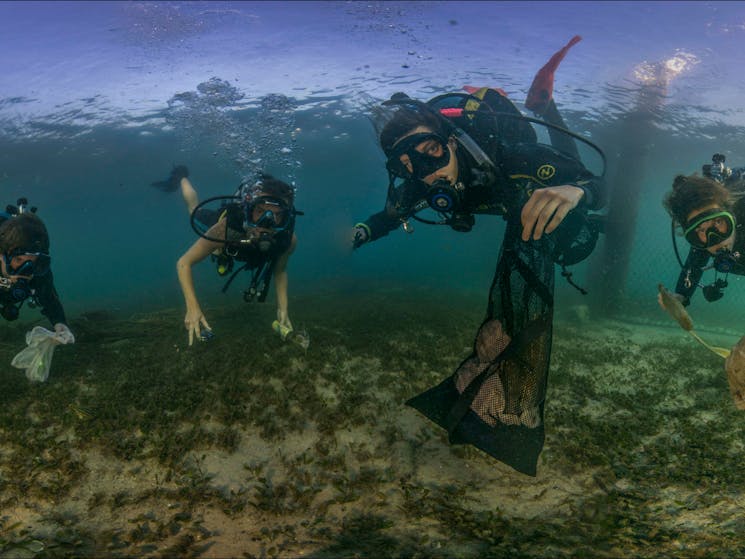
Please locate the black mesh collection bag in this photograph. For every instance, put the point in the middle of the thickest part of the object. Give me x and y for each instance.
(495, 398)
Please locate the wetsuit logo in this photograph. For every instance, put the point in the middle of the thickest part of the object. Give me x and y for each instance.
(545, 172)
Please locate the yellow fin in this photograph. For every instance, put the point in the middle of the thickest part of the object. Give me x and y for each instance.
(720, 351)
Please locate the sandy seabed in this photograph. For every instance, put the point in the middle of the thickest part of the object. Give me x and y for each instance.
(245, 446)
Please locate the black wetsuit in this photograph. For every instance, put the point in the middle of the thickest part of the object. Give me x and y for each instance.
(699, 259)
(42, 291)
(518, 168)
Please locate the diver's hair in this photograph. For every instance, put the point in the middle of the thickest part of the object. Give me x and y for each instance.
(277, 188)
(692, 192)
(404, 121)
(26, 232)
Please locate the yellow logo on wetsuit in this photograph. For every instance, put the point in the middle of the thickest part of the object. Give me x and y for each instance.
(545, 172)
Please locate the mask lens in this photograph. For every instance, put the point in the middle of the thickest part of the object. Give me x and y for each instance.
(25, 269)
(424, 165)
(435, 155)
(268, 213)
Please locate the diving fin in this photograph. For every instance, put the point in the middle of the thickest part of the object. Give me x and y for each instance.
(172, 183)
(541, 90)
(720, 351)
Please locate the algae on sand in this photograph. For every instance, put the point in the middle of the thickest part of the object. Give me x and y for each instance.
(318, 450)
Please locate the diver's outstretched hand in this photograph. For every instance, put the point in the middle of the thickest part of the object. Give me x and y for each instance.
(360, 235)
(171, 184)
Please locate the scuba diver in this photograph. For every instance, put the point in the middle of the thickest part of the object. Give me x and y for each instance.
(467, 154)
(251, 230)
(459, 174)
(25, 272)
(710, 209)
(732, 177)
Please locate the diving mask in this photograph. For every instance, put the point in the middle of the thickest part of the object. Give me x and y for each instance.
(436, 155)
(37, 266)
(720, 228)
(268, 213)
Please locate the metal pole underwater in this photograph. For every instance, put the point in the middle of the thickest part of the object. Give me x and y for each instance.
(634, 142)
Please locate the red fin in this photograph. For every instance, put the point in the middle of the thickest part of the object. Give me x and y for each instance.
(542, 89)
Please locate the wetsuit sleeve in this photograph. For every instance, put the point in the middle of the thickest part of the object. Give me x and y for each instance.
(691, 274)
(380, 224)
(594, 189)
(400, 204)
(46, 295)
(593, 186)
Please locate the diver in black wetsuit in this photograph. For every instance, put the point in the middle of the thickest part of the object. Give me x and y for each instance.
(440, 172)
(25, 273)
(462, 155)
(711, 212)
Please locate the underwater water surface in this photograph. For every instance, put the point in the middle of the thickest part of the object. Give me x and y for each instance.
(245, 446)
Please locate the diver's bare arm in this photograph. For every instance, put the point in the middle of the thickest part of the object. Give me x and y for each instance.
(189, 194)
(280, 284)
(196, 253)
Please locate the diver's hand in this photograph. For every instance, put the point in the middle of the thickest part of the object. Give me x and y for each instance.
(62, 334)
(282, 325)
(194, 321)
(547, 208)
(360, 235)
(282, 329)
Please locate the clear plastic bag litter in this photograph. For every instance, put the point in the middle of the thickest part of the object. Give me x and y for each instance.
(36, 358)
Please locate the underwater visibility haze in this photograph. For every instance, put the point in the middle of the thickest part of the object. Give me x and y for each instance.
(141, 445)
